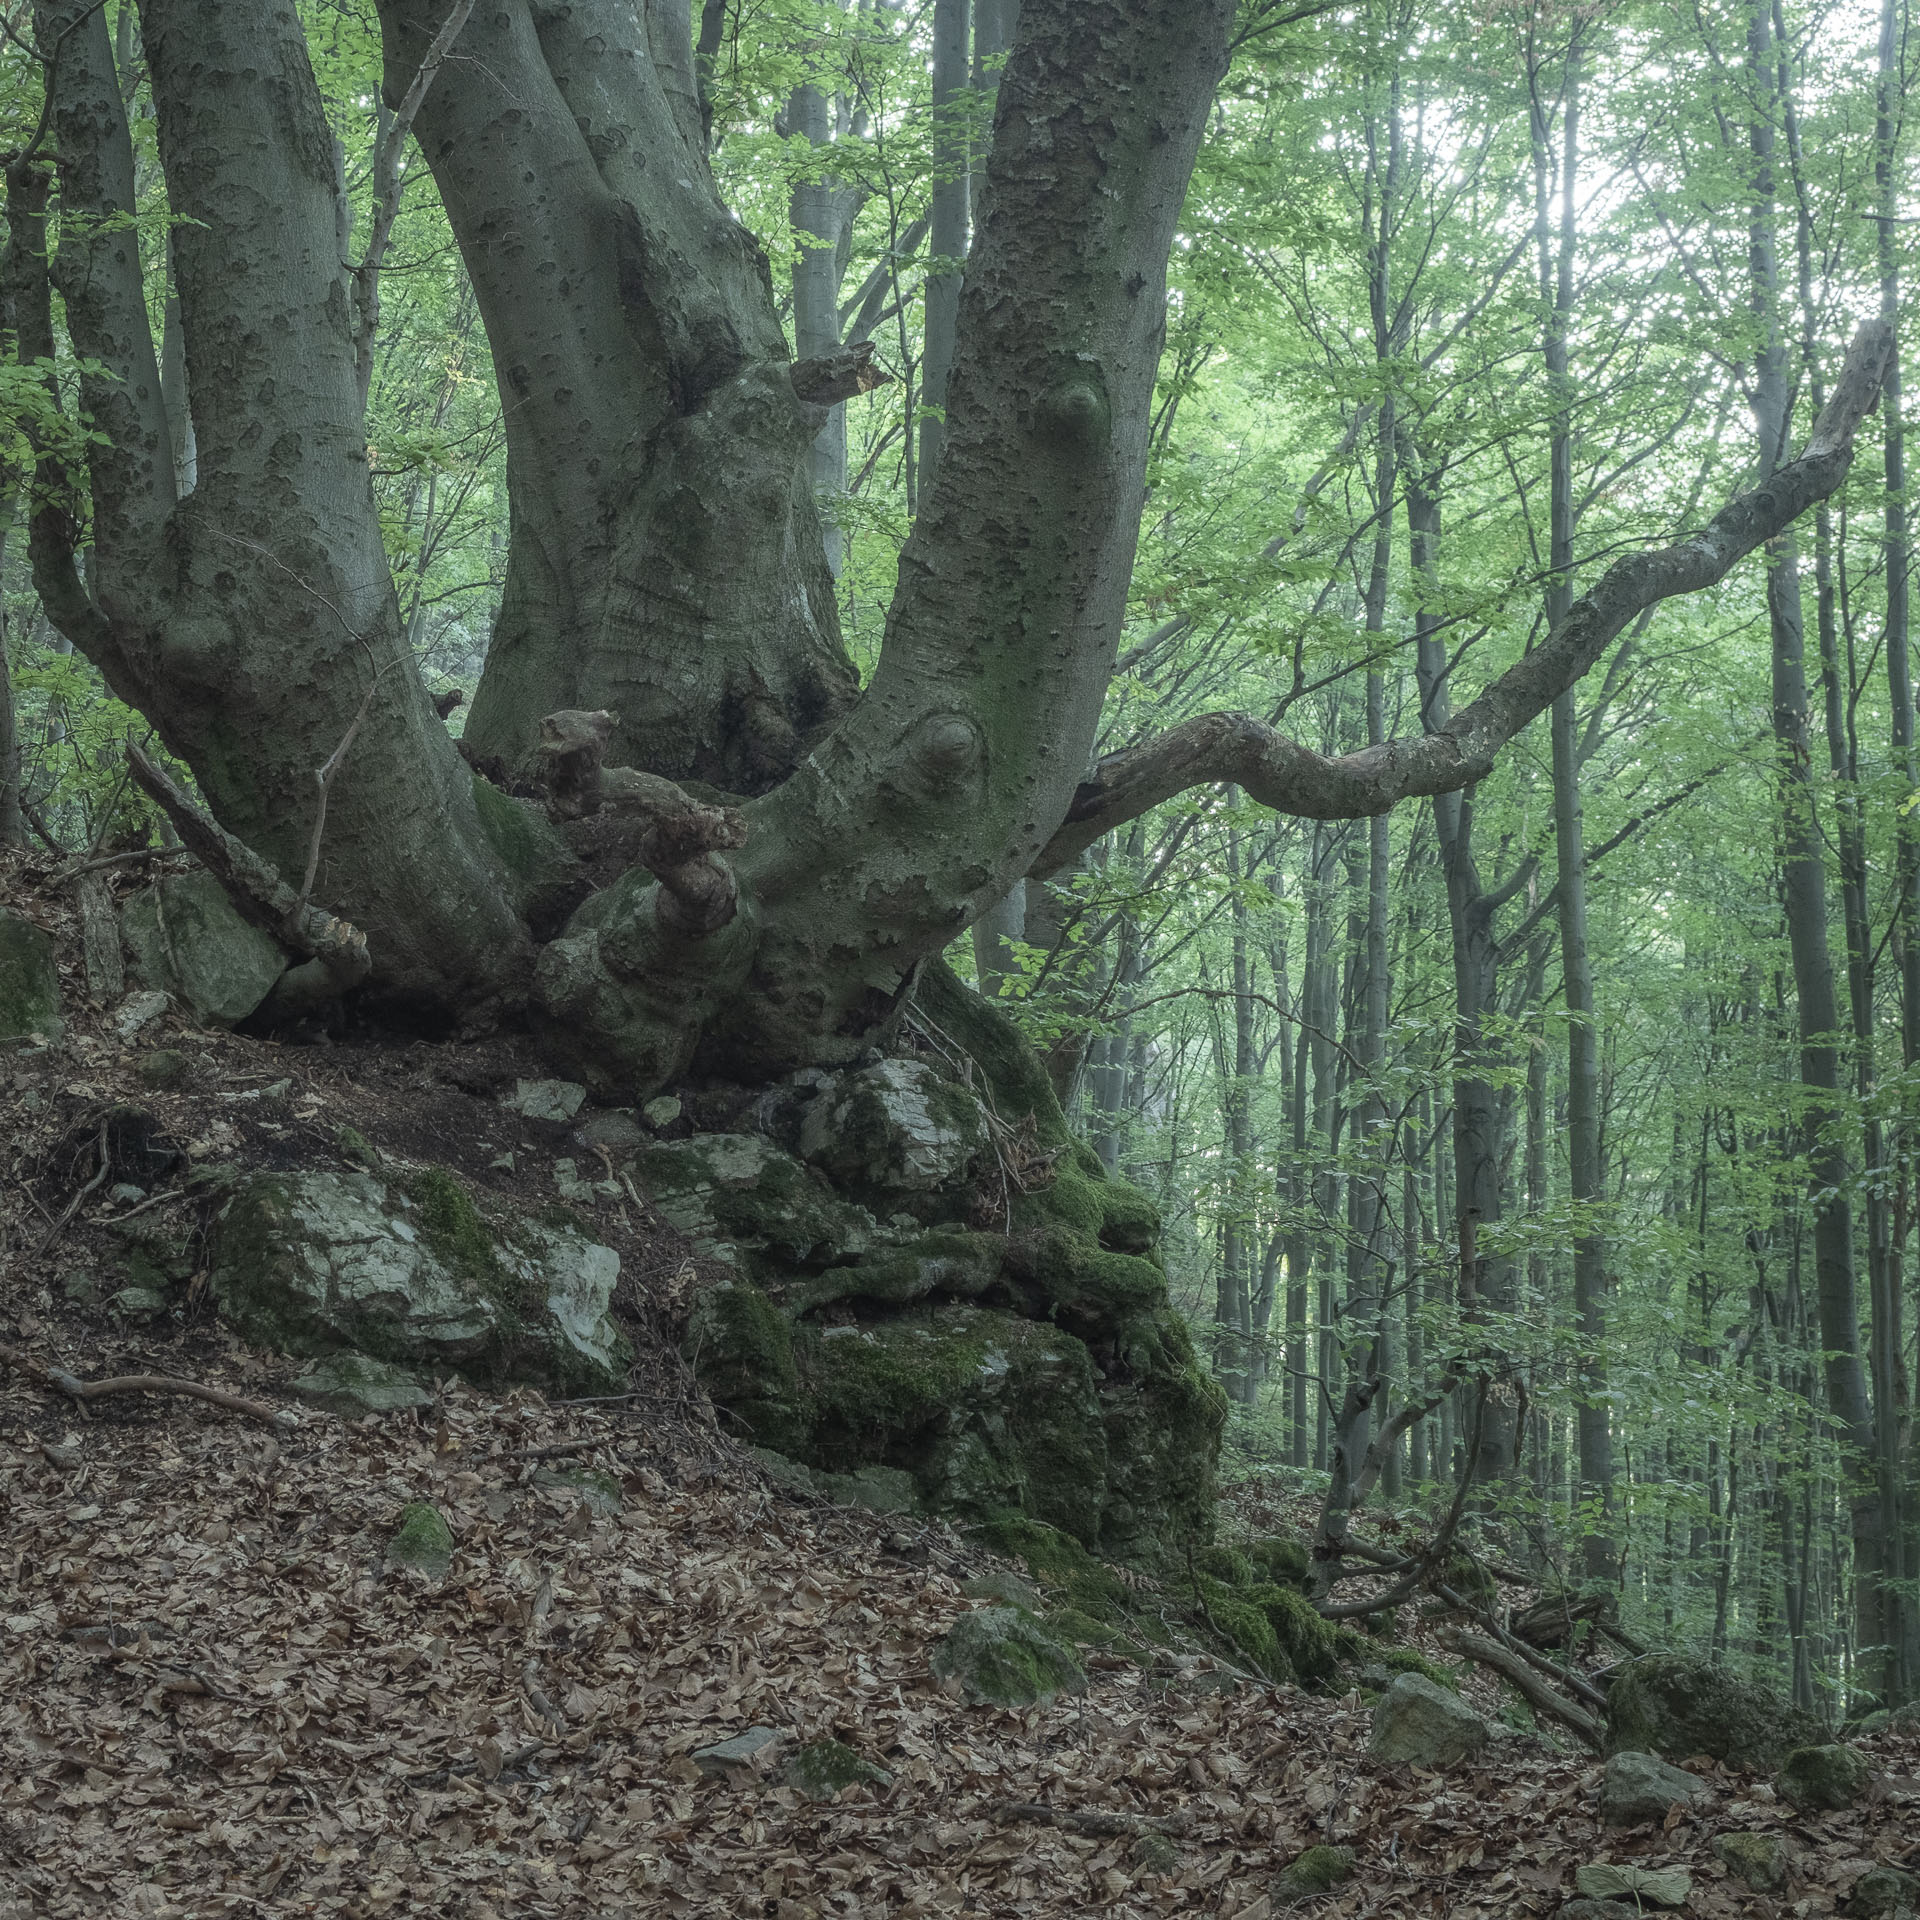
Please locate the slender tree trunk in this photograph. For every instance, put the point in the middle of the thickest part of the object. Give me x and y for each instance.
(948, 237)
(1806, 900)
(1586, 1177)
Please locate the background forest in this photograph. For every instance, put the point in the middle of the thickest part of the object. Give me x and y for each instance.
(1612, 1056)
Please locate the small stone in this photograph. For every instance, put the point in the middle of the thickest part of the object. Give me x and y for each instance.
(1649, 1886)
(422, 1541)
(501, 1163)
(615, 1129)
(1758, 1860)
(823, 1769)
(125, 1194)
(1824, 1779)
(356, 1149)
(351, 1383)
(1007, 1590)
(1002, 1657)
(1418, 1724)
(743, 1750)
(65, 1458)
(1318, 1870)
(596, 1491)
(661, 1112)
(1638, 1786)
(137, 1303)
(1884, 1890)
(163, 1067)
(1153, 1852)
(552, 1101)
(80, 1286)
(137, 1012)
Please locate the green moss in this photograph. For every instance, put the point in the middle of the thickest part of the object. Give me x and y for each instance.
(1002, 1657)
(1070, 1575)
(742, 1349)
(1242, 1622)
(1314, 1647)
(1011, 1067)
(519, 833)
(1405, 1660)
(353, 1146)
(1228, 1564)
(1319, 1870)
(1082, 1629)
(451, 1225)
(1284, 1562)
(422, 1540)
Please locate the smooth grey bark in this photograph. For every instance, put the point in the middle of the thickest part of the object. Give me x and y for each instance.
(254, 620)
(948, 233)
(12, 819)
(822, 211)
(1892, 1398)
(1586, 1177)
(995, 934)
(665, 560)
(935, 793)
(1805, 894)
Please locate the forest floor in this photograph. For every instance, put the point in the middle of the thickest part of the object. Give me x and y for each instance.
(216, 1697)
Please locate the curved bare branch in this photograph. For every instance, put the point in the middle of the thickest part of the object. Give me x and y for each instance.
(1282, 774)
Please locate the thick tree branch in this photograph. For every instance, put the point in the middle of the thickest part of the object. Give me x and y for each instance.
(254, 886)
(1282, 774)
(1540, 1696)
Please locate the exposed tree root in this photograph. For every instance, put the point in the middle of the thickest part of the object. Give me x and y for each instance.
(74, 1388)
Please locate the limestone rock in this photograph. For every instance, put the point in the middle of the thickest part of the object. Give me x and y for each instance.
(1318, 1870)
(351, 1383)
(422, 1541)
(1006, 1590)
(1639, 1786)
(898, 1126)
(744, 1750)
(1418, 1724)
(1002, 1657)
(661, 1111)
(137, 1012)
(1757, 1860)
(29, 983)
(552, 1101)
(1677, 1706)
(1823, 1779)
(164, 1067)
(187, 939)
(743, 1201)
(1884, 1890)
(321, 1263)
(1637, 1886)
(615, 1129)
(822, 1769)
(137, 1303)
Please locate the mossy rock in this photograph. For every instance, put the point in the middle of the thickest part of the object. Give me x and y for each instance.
(1003, 1657)
(1081, 1629)
(1068, 1574)
(1677, 1706)
(187, 939)
(948, 1263)
(1226, 1564)
(1884, 1890)
(893, 1130)
(1236, 1615)
(744, 1202)
(315, 1264)
(824, 1769)
(351, 1384)
(1824, 1779)
(29, 980)
(1757, 1860)
(1005, 1589)
(422, 1541)
(1283, 1561)
(1319, 1870)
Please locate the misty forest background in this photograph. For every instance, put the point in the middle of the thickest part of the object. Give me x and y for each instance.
(1467, 301)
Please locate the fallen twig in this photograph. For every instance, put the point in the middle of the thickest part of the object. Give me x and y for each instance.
(1040, 1814)
(85, 1390)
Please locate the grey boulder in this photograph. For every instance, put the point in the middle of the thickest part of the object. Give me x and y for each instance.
(188, 940)
(1417, 1724)
(1641, 1786)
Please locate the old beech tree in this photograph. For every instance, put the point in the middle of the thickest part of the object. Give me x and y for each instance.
(665, 560)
